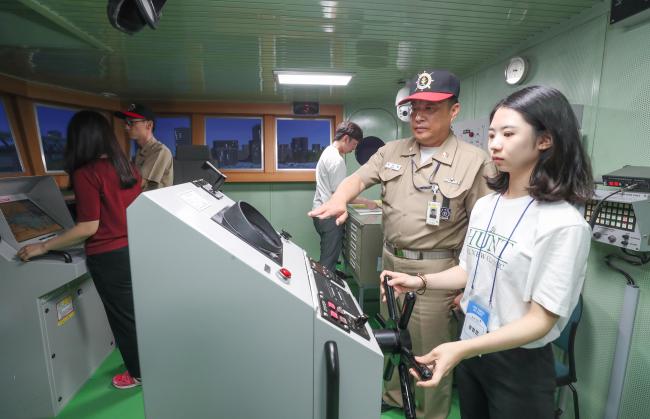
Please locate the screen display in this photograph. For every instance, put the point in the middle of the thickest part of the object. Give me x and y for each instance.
(27, 221)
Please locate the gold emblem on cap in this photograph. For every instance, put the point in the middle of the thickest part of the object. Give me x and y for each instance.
(424, 81)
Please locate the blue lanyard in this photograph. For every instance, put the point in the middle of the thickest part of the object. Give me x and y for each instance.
(484, 243)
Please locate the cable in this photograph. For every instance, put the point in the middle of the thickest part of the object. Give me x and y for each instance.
(596, 211)
(608, 262)
(642, 258)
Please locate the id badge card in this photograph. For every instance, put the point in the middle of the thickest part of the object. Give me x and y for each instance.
(476, 321)
(433, 213)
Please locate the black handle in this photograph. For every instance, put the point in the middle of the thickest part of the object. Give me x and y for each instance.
(65, 255)
(380, 319)
(332, 385)
(390, 299)
(388, 371)
(407, 391)
(422, 370)
(407, 310)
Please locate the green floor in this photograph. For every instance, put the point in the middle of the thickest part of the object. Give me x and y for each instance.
(97, 399)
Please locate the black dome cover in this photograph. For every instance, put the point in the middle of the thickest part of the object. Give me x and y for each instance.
(130, 16)
(366, 148)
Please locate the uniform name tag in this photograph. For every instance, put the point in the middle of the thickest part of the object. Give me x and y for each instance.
(433, 213)
(476, 321)
(393, 166)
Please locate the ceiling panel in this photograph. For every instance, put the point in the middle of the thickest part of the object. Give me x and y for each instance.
(227, 50)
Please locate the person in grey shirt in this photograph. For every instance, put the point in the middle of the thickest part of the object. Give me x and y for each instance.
(330, 172)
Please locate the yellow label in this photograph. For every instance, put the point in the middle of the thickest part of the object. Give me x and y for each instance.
(64, 310)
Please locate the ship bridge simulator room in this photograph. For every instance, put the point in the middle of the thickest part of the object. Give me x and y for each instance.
(324, 209)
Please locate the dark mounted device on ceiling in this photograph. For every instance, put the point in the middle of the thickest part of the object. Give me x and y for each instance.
(629, 12)
(130, 16)
(305, 108)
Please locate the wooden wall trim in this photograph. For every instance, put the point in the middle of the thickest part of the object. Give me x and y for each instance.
(198, 129)
(285, 176)
(235, 108)
(58, 95)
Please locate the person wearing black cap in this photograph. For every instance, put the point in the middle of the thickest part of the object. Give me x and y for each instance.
(429, 185)
(330, 172)
(154, 160)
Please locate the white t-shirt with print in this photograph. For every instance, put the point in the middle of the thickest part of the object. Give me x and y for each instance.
(330, 172)
(545, 260)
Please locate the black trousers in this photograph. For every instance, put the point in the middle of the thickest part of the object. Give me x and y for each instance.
(331, 241)
(517, 383)
(111, 273)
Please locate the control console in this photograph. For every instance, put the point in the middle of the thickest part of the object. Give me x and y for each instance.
(623, 219)
(336, 304)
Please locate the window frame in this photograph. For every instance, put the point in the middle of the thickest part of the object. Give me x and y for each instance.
(4, 102)
(262, 144)
(199, 110)
(40, 139)
(298, 118)
(172, 115)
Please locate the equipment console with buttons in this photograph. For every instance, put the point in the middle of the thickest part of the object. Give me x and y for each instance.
(623, 219)
(220, 297)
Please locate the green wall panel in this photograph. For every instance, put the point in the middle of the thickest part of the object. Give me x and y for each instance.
(290, 203)
(623, 137)
(608, 71)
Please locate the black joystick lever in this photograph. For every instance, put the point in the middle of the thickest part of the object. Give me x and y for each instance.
(360, 322)
(394, 340)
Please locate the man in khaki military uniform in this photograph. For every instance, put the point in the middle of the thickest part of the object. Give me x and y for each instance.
(429, 184)
(154, 160)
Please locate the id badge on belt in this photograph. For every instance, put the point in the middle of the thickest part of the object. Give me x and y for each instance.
(476, 321)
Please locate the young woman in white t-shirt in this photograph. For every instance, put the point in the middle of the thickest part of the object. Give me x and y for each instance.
(522, 264)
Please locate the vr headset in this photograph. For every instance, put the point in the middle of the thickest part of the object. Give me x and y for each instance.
(130, 16)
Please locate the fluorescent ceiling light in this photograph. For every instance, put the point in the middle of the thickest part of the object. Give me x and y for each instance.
(312, 78)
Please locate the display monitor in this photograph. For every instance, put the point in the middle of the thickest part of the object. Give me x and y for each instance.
(27, 221)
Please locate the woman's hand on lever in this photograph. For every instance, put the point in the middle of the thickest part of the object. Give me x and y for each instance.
(441, 360)
(400, 282)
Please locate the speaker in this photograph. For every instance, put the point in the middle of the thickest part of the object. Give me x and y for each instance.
(631, 11)
(305, 108)
(130, 16)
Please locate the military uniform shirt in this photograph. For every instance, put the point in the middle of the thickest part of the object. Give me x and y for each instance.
(155, 163)
(460, 178)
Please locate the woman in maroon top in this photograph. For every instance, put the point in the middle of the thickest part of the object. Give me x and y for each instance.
(105, 183)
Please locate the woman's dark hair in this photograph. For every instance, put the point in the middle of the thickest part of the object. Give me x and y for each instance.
(563, 171)
(348, 128)
(89, 137)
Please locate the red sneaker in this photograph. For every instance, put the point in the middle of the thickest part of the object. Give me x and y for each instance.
(125, 380)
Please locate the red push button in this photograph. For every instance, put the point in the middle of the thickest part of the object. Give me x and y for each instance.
(334, 314)
(284, 272)
(331, 305)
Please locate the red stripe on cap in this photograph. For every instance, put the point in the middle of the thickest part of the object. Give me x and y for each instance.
(134, 115)
(428, 96)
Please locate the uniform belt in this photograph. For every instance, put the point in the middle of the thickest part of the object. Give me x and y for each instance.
(419, 254)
